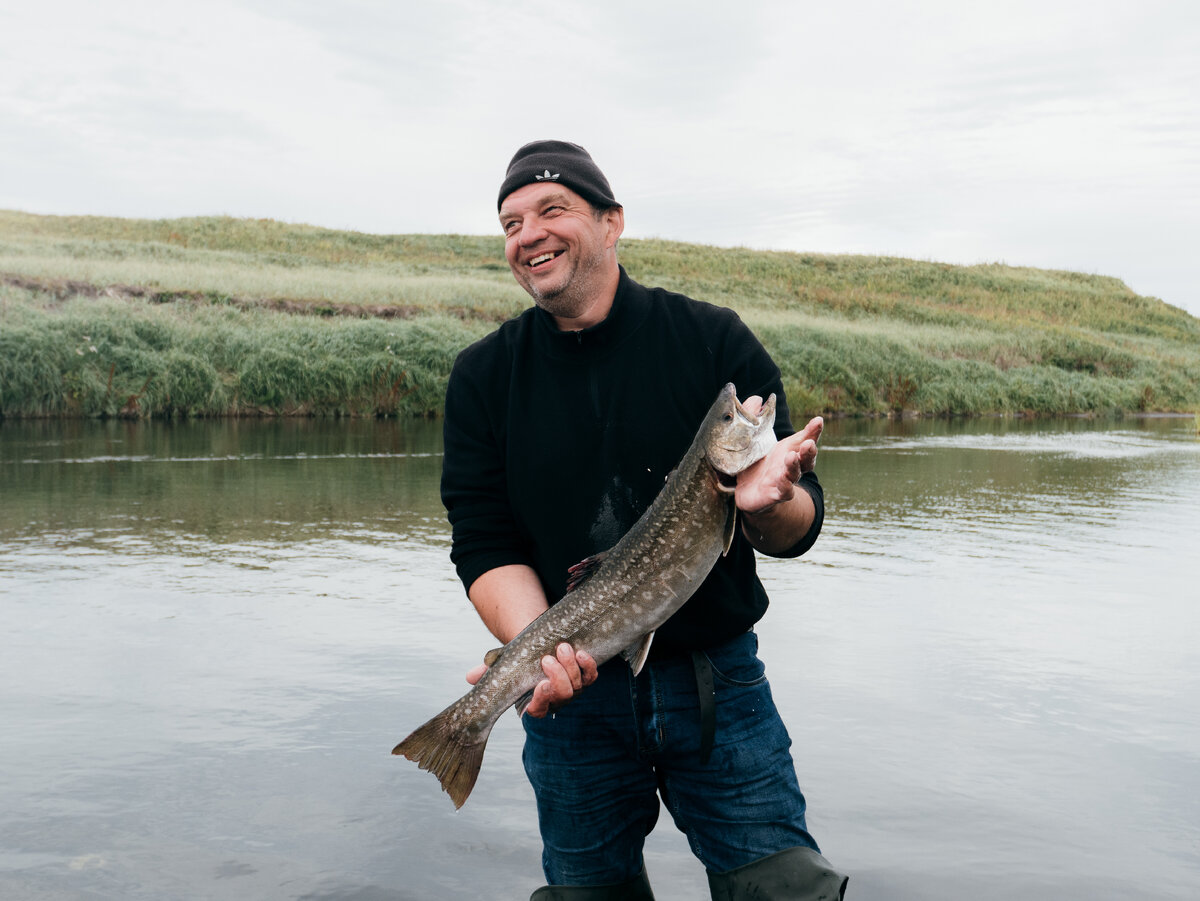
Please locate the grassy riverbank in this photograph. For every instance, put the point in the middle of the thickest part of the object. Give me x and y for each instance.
(217, 316)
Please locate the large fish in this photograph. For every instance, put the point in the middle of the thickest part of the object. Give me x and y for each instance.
(616, 599)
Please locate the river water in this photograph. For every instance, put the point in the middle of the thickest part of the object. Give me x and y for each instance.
(214, 632)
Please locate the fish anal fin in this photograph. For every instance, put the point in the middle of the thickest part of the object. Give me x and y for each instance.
(584, 570)
(637, 652)
(453, 756)
(523, 702)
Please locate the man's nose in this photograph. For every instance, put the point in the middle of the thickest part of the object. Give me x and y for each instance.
(531, 232)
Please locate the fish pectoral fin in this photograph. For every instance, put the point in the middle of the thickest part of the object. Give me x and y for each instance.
(523, 702)
(584, 570)
(490, 658)
(730, 527)
(637, 652)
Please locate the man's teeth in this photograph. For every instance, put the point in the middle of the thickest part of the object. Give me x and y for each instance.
(537, 261)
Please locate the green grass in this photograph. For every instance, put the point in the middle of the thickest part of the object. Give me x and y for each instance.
(206, 317)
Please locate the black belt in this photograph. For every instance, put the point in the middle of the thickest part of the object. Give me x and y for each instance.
(708, 703)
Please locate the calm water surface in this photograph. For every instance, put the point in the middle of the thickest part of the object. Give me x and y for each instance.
(215, 632)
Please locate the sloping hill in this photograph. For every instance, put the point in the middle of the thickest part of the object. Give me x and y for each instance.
(212, 316)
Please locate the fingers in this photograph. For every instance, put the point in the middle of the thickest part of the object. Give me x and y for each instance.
(782, 467)
(804, 444)
(813, 428)
(539, 705)
(810, 434)
(772, 481)
(566, 672)
(806, 457)
(588, 667)
(793, 461)
(565, 655)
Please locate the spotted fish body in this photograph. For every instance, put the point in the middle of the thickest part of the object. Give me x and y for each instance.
(615, 600)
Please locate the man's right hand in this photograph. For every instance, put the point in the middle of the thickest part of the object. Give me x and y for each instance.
(567, 672)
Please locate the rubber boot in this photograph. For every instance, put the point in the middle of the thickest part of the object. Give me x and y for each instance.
(797, 874)
(636, 889)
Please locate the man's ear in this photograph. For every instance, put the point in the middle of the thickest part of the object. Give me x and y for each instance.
(614, 218)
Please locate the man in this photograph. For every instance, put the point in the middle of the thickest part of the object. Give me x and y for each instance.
(560, 429)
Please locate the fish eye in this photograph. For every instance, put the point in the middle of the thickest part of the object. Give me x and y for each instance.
(728, 417)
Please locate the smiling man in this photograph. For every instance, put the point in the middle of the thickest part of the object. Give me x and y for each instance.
(560, 428)
(562, 251)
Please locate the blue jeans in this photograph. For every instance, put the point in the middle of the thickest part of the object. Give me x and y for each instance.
(600, 764)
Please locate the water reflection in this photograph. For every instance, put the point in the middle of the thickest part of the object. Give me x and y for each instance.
(216, 631)
(197, 484)
(1020, 603)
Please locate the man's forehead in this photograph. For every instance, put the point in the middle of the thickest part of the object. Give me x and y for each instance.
(535, 194)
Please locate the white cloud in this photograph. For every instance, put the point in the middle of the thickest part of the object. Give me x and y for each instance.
(1051, 134)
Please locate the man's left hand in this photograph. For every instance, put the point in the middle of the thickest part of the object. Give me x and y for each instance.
(567, 673)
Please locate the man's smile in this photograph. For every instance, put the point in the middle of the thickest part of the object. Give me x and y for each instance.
(542, 258)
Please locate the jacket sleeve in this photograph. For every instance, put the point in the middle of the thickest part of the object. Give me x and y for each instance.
(474, 480)
(752, 369)
(808, 482)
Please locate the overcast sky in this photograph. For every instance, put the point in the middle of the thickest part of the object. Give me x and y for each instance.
(1061, 135)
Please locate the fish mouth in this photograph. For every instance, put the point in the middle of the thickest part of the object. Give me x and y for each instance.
(757, 425)
(741, 439)
(745, 416)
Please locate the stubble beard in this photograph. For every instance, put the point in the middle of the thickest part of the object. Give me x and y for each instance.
(572, 297)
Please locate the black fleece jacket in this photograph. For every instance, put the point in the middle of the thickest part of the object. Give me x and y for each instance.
(556, 442)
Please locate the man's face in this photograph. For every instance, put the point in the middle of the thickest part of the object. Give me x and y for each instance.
(556, 247)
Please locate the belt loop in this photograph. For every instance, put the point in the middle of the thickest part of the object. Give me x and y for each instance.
(708, 703)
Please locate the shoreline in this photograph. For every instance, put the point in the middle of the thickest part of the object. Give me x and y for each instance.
(220, 317)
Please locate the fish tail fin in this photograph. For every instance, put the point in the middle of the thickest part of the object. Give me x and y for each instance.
(453, 755)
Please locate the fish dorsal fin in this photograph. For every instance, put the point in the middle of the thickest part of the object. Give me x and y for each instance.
(492, 656)
(584, 570)
(637, 652)
(730, 527)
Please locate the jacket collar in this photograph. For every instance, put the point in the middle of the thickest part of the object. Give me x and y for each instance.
(629, 308)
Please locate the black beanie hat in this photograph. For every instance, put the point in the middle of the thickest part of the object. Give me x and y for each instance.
(557, 161)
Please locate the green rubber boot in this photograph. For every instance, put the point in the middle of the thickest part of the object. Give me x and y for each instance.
(636, 889)
(797, 874)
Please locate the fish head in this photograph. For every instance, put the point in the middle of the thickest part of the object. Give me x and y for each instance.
(734, 439)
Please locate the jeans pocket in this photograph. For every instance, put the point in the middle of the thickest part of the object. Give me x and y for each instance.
(736, 662)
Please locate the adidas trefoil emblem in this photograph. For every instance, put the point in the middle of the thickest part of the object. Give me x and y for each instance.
(546, 176)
